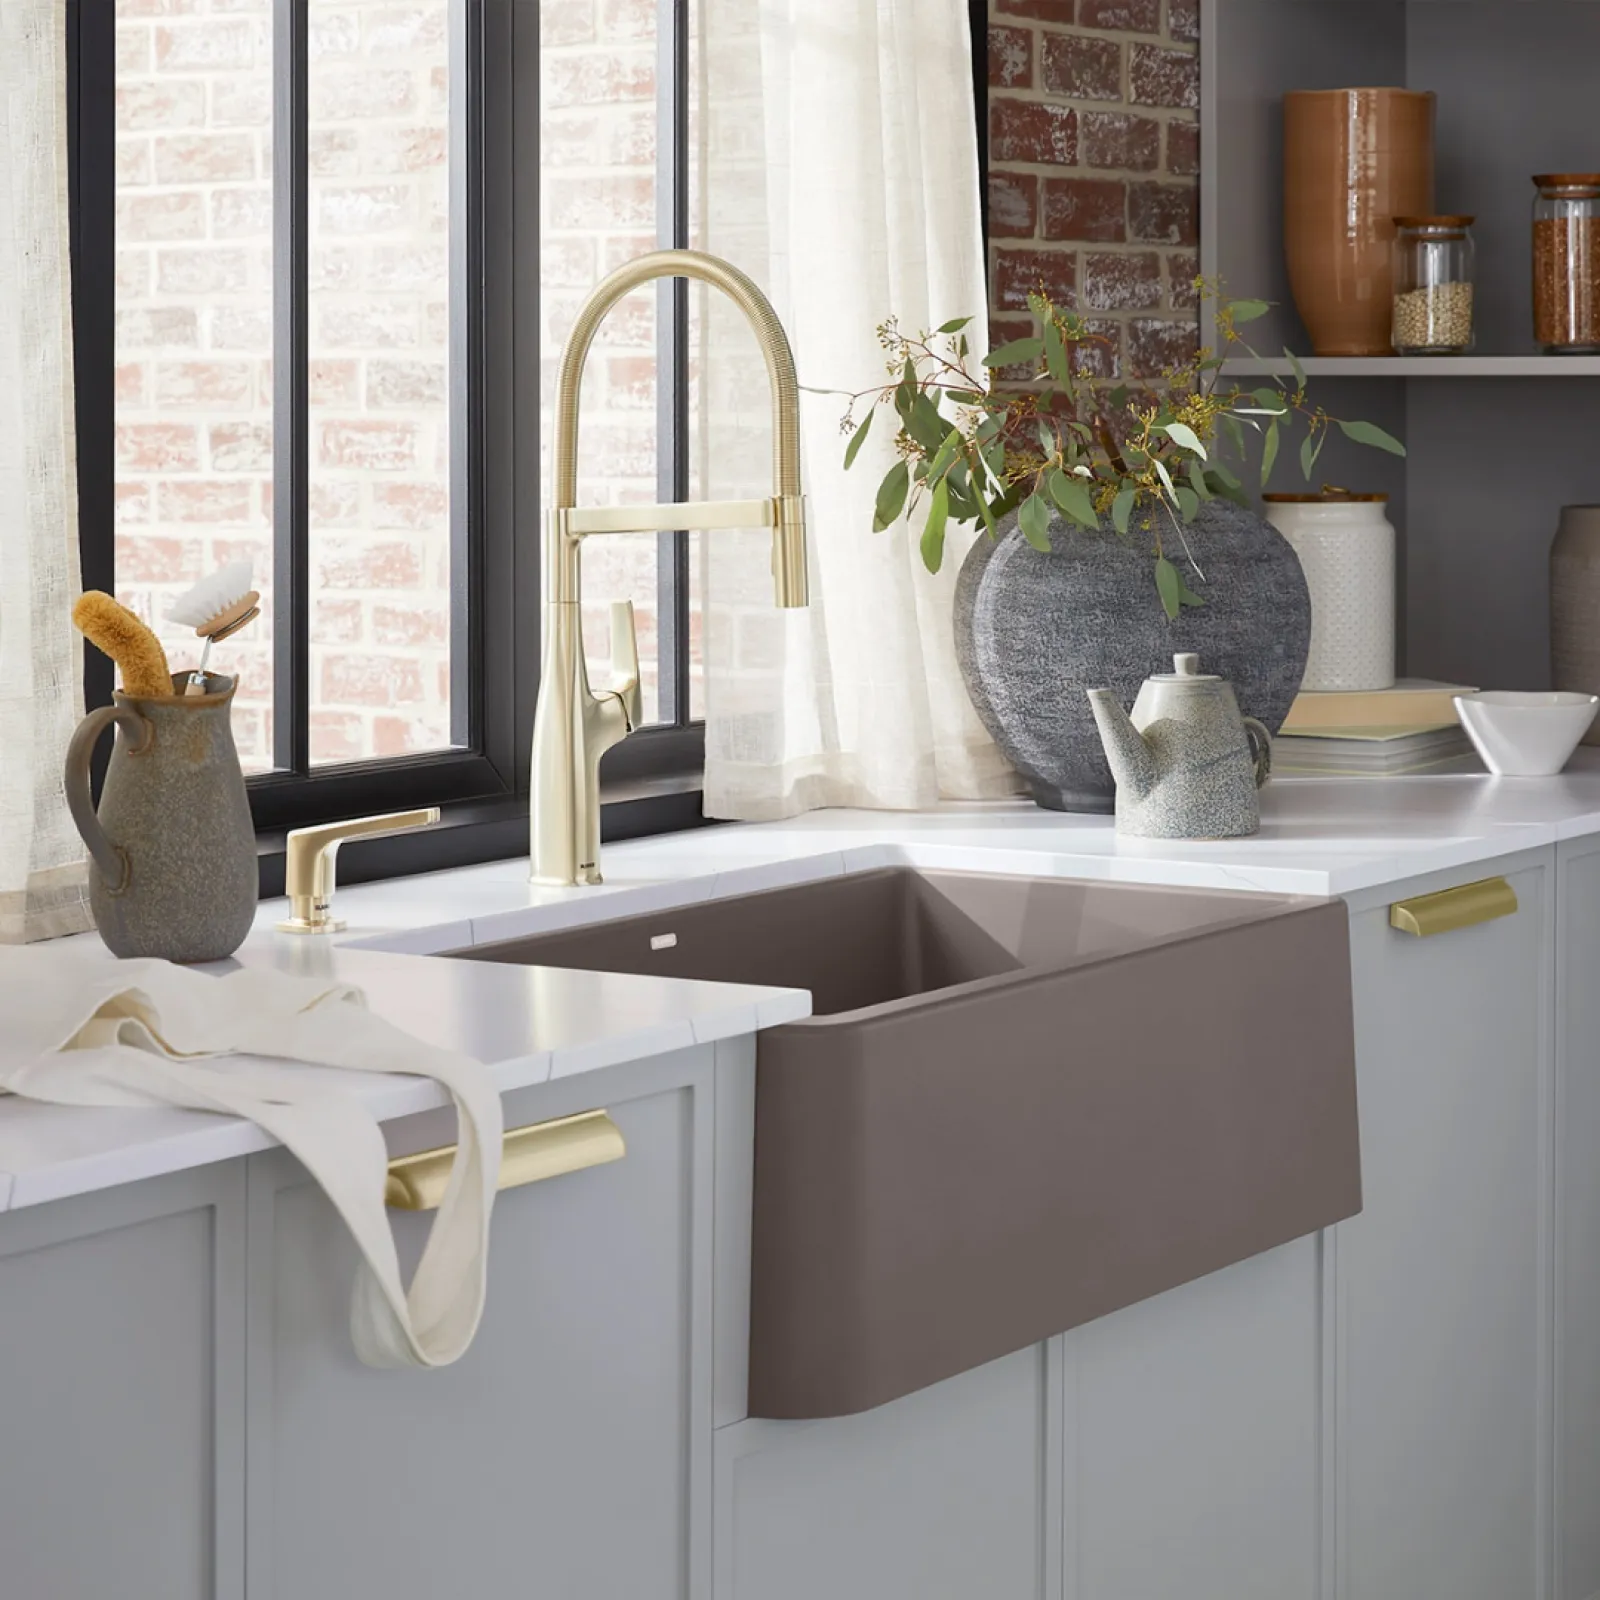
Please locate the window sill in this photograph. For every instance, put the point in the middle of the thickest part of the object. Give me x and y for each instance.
(473, 831)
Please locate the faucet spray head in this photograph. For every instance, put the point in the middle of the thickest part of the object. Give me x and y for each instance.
(791, 585)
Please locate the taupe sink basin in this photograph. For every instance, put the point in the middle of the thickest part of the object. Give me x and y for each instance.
(1020, 1104)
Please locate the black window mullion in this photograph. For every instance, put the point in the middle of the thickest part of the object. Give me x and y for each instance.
(291, 407)
(91, 157)
(672, 354)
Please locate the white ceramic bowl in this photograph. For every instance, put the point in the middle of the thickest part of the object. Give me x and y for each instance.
(1526, 735)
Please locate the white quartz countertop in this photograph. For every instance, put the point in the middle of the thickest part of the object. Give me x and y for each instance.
(1319, 836)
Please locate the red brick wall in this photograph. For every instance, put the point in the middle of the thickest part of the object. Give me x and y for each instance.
(1093, 157)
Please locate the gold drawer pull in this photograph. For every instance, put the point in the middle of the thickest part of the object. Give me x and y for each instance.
(1463, 907)
(529, 1155)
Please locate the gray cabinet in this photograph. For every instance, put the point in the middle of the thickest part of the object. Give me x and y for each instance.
(567, 1454)
(948, 1494)
(121, 1405)
(1439, 1357)
(1193, 1432)
(1577, 1225)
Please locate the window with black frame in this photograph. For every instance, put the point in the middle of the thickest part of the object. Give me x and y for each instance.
(307, 337)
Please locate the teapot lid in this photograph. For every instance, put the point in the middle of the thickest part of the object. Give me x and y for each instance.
(1186, 669)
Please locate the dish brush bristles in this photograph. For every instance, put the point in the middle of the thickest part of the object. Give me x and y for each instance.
(122, 636)
(205, 607)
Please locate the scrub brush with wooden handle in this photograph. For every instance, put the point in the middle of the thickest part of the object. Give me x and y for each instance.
(122, 636)
(215, 608)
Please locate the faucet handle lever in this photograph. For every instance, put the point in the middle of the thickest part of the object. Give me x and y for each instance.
(625, 661)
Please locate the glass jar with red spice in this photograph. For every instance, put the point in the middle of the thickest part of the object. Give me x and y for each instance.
(1566, 263)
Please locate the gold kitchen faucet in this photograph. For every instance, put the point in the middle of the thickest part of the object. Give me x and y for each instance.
(573, 725)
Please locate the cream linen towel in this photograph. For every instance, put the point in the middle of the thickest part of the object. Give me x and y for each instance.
(147, 1033)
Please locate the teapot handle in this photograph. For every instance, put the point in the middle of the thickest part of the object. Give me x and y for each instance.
(1260, 749)
(111, 859)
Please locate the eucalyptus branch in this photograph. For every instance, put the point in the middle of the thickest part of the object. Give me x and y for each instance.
(1069, 444)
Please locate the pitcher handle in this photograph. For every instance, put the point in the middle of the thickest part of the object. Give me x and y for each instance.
(1260, 749)
(111, 859)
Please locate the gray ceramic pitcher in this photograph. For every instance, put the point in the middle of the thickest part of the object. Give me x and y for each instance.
(172, 849)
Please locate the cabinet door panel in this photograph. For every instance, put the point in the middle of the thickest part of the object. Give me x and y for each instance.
(1577, 1409)
(554, 1458)
(1442, 1333)
(943, 1495)
(121, 1349)
(1193, 1437)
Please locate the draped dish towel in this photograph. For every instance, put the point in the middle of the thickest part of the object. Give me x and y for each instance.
(147, 1033)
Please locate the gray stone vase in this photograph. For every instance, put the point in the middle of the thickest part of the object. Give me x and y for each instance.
(172, 849)
(1035, 632)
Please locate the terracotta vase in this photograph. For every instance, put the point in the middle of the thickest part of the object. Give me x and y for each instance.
(1575, 605)
(1353, 160)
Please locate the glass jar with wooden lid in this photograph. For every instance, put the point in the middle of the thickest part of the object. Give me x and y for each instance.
(1566, 263)
(1434, 260)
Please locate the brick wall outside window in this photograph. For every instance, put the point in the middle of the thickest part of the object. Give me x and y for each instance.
(1092, 187)
(194, 417)
(1093, 163)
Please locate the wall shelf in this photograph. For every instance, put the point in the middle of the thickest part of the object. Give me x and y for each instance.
(1471, 366)
(1477, 497)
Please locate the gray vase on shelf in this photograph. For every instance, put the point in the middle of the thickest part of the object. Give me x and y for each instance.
(1034, 632)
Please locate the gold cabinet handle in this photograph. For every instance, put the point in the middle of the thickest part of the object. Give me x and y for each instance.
(529, 1155)
(1462, 907)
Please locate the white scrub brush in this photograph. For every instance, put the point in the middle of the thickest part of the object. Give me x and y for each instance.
(215, 608)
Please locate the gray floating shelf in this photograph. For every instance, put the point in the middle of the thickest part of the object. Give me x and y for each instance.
(1473, 366)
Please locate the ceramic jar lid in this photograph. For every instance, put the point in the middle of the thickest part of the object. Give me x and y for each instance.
(1186, 669)
(1328, 497)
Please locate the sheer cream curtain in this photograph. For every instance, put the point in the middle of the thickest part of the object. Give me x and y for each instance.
(840, 170)
(41, 872)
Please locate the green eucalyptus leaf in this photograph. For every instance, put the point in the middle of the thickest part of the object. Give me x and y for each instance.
(1197, 481)
(1269, 454)
(1166, 479)
(1187, 595)
(1188, 502)
(1270, 401)
(1018, 353)
(1073, 498)
(1055, 354)
(1033, 517)
(1220, 471)
(1122, 509)
(857, 439)
(954, 327)
(1170, 587)
(1369, 433)
(933, 529)
(949, 448)
(1048, 442)
(1182, 435)
(892, 496)
(1295, 367)
(1310, 449)
(1249, 310)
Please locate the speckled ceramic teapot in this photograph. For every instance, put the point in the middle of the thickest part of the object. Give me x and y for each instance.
(172, 850)
(1187, 764)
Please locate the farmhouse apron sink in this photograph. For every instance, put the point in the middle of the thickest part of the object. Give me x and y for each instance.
(1020, 1104)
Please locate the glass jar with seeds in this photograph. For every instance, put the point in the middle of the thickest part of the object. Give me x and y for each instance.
(1433, 271)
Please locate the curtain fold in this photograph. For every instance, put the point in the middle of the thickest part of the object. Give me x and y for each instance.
(42, 876)
(840, 171)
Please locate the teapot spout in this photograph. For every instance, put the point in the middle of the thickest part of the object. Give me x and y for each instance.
(1132, 764)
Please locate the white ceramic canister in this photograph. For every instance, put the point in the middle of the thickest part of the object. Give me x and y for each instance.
(1346, 546)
